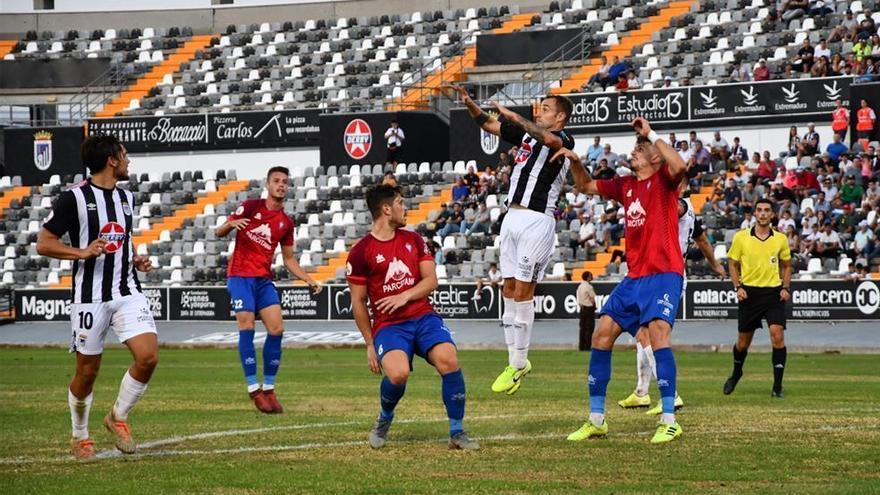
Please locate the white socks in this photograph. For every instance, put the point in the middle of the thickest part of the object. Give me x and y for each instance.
(130, 391)
(507, 323)
(645, 368)
(667, 418)
(79, 414)
(597, 418)
(522, 332)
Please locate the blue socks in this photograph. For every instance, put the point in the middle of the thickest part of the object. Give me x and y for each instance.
(454, 399)
(600, 374)
(666, 378)
(271, 360)
(248, 356)
(389, 396)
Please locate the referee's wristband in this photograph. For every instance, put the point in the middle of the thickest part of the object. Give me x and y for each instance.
(653, 137)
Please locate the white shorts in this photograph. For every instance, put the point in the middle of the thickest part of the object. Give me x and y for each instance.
(128, 316)
(527, 242)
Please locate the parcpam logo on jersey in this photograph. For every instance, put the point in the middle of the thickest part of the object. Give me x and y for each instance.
(357, 138)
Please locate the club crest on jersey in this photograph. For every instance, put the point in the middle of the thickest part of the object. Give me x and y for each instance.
(258, 216)
(525, 151)
(126, 209)
(635, 214)
(380, 258)
(261, 235)
(114, 234)
(397, 276)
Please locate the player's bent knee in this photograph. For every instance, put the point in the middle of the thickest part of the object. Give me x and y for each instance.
(147, 361)
(397, 376)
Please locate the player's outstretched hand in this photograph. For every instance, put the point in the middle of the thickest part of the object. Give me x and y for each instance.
(391, 304)
(143, 264)
(741, 294)
(566, 153)
(316, 287)
(641, 126)
(455, 88)
(373, 359)
(240, 223)
(95, 249)
(504, 111)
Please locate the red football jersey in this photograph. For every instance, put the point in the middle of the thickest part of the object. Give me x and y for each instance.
(255, 244)
(651, 207)
(388, 268)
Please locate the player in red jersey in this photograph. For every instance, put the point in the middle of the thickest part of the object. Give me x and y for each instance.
(394, 270)
(650, 294)
(260, 226)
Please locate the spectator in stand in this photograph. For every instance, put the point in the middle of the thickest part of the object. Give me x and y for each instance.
(685, 151)
(753, 164)
(460, 191)
(732, 197)
(821, 67)
(471, 178)
(617, 68)
(804, 60)
(594, 150)
(851, 192)
(701, 158)
(785, 221)
(608, 155)
(875, 47)
(767, 168)
(827, 243)
(779, 192)
(820, 8)
(844, 31)
(822, 205)
(718, 148)
(667, 82)
(453, 222)
(829, 188)
(787, 72)
(586, 238)
(492, 278)
(622, 82)
(738, 73)
(750, 194)
(806, 179)
(793, 9)
(810, 142)
(394, 137)
(633, 80)
(738, 153)
(603, 171)
(872, 193)
(748, 220)
(794, 142)
(503, 161)
(866, 28)
(794, 240)
(822, 50)
(672, 140)
(601, 76)
(686, 81)
(865, 121)
(761, 72)
(808, 222)
(863, 241)
(840, 120)
(442, 218)
(861, 49)
(436, 252)
(692, 139)
(836, 148)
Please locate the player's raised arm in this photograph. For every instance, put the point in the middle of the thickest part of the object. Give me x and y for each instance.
(709, 252)
(674, 162)
(543, 135)
(484, 120)
(582, 178)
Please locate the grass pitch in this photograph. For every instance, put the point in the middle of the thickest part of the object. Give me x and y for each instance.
(198, 432)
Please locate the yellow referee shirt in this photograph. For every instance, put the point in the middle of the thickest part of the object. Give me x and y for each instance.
(759, 260)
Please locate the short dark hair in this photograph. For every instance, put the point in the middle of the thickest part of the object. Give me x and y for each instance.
(379, 196)
(562, 103)
(587, 276)
(767, 202)
(97, 148)
(283, 170)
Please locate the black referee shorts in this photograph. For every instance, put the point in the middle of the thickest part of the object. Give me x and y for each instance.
(761, 303)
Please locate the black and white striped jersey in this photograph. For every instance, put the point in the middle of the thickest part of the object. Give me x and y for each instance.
(535, 184)
(689, 226)
(87, 212)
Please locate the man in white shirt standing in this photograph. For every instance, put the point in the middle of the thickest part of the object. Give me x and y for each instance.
(394, 137)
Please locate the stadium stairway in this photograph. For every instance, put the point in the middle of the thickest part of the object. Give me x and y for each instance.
(6, 46)
(597, 266)
(16, 193)
(141, 88)
(630, 40)
(453, 69)
(327, 271)
(176, 220)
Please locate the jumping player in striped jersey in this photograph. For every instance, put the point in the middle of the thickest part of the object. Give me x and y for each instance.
(261, 225)
(96, 214)
(650, 294)
(529, 229)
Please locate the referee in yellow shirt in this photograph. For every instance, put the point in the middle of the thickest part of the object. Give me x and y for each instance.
(755, 257)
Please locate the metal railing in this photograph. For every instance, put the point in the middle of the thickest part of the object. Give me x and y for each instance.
(96, 94)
